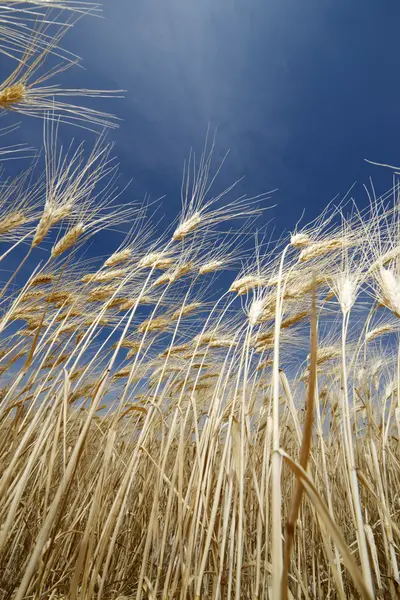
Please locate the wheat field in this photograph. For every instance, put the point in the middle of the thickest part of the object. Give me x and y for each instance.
(159, 438)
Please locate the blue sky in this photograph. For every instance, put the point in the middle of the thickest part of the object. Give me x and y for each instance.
(301, 92)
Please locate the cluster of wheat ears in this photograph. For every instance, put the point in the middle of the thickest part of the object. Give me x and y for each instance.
(157, 440)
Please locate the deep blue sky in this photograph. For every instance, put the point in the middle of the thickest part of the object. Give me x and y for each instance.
(301, 93)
